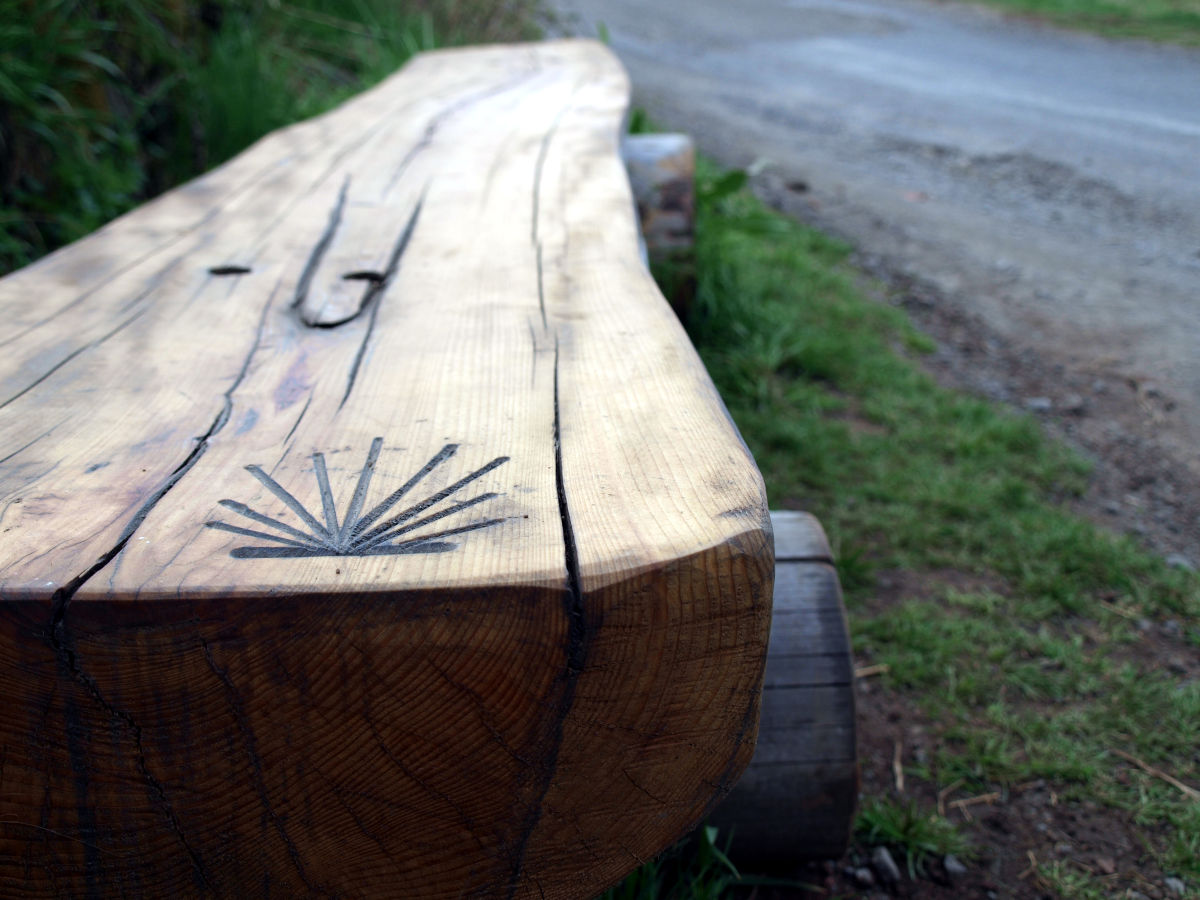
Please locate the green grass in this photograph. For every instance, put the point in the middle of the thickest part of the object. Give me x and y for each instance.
(104, 104)
(916, 834)
(1020, 643)
(1175, 21)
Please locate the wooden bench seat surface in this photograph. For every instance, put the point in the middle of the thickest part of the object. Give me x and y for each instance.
(367, 522)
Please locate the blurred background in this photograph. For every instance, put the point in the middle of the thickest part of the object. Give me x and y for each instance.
(106, 103)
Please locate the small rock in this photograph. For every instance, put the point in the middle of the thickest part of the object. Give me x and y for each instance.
(885, 867)
(1073, 403)
(1172, 628)
(1063, 848)
(1179, 561)
(1039, 404)
(1112, 507)
(1176, 665)
(1176, 886)
(1144, 625)
(863, 877)
(1106, 865)
(953, 866)
(1135, 895)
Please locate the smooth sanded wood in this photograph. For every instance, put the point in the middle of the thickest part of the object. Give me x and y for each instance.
(369, 525)
(797, 798)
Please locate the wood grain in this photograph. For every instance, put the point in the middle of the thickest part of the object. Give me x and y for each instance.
(370, 527)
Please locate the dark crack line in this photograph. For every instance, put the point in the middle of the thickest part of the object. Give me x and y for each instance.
(485, 716)
(158, 276)
(372, 298)
(541, 288)
(22, 449)
(319, 248)
(260, 785)
(67, 659)
(440, 119)
(60, 638)
(539, 166)
(577, 641)
(464, 817)
(91, 345)
(299, 418)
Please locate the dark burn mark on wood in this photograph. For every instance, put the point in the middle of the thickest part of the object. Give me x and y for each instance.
(364, 275)
(229, 270)
(354, 534)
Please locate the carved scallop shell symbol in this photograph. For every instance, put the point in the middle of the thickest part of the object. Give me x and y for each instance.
(358, 534)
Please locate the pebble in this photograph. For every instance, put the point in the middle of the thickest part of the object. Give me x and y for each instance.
(953, 866)
(1176, 886)
(1112, 507)
(1172, 628)
(1073, 403)
(1106, 865)
(1039, 404)
(1179, 561)
(863, 877)
(885, 867)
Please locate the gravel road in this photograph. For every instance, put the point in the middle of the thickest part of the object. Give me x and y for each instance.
(1032, 194)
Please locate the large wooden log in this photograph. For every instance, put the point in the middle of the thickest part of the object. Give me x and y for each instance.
(370, 528)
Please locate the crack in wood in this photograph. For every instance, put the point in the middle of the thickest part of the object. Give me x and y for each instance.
(578, 635)
(70, 665)
(438, 120)
(372, 296)
(91, 345)
(237, 707)
(62, 642)
(318, 250)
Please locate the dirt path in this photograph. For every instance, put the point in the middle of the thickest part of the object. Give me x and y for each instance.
(1032, 196)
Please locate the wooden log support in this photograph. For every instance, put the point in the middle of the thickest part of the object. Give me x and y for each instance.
(369, 525)
(662, 173)
(796, 801)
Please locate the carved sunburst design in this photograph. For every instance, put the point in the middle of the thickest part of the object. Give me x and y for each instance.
(358, 534)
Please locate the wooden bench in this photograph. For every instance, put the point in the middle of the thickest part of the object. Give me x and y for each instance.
(369, 525)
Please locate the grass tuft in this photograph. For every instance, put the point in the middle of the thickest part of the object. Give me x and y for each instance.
(916, 835)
